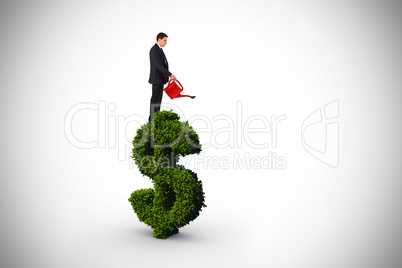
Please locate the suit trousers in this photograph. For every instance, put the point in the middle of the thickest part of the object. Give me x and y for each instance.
(156, 99)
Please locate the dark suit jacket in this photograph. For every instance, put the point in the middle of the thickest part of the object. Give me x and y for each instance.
(159, 73)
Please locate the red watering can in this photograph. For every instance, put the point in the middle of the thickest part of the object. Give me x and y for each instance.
(173, 90)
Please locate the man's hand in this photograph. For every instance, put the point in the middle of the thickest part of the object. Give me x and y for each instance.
(172, 77)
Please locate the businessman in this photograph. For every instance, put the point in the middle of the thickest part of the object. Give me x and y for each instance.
(159, 74)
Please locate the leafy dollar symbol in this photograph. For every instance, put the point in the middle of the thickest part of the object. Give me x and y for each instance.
(177, 197)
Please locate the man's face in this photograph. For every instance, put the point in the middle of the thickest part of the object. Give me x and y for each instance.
(162, 42)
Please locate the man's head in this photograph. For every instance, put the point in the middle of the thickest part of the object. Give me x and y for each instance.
(161, 39)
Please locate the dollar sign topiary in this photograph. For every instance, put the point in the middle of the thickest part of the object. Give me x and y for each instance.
(177, 197)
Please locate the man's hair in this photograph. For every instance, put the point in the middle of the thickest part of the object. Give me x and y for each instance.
(160, 36)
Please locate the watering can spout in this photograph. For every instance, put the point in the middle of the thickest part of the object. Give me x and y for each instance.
(173, 90)
(180, 96)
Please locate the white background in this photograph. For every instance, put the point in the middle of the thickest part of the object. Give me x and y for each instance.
(65, 206)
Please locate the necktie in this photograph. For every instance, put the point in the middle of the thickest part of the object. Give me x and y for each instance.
(166, 63)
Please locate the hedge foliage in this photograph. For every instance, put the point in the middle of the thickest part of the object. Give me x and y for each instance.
(177, 197)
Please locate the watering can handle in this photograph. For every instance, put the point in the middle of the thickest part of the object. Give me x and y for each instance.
(177, 82)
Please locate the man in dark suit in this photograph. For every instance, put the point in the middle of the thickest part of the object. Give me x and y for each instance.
(159, 74)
